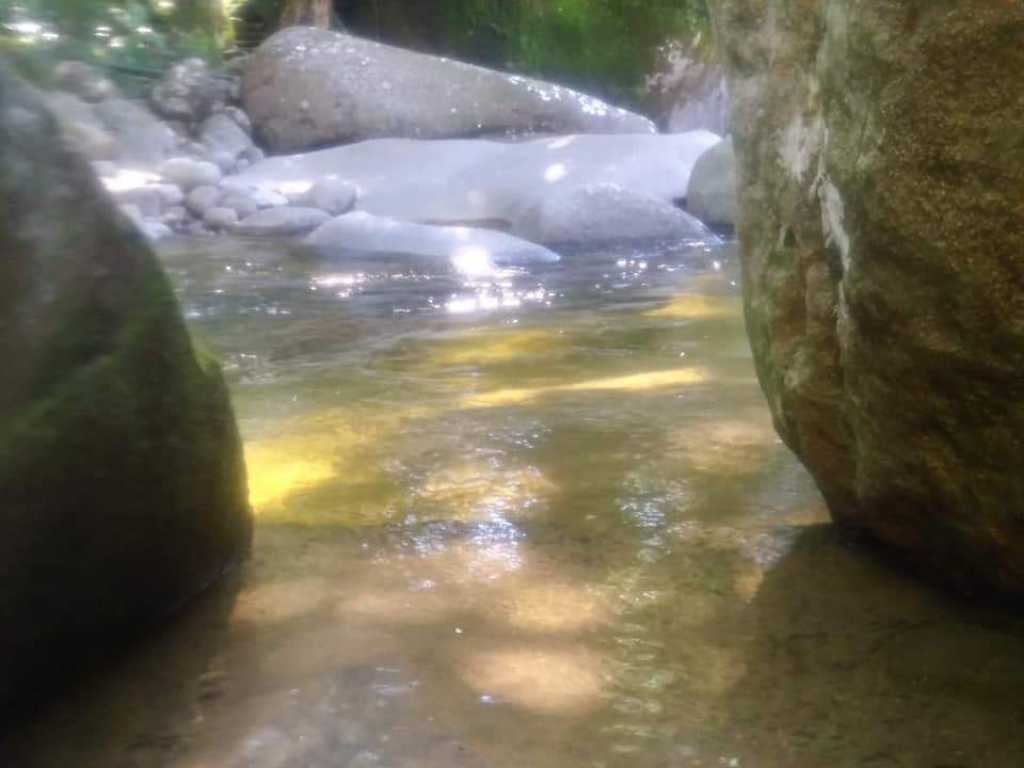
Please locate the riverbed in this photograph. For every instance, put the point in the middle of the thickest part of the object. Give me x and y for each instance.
(528, 519)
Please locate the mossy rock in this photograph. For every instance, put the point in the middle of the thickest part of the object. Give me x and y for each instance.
(122, 483)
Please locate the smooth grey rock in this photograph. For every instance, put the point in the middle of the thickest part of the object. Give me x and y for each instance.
(189, 174)
(187, 92)
(121, 474)
(104, 168)
(711, 195)
(475, 181)
(201, 199)
(307, 87)
(244, 205)
(139, 135)
(468, 248)
(689, 90)
(219, 133)
(170, 194)
(605, 212)
(880, 158)
(286, 220)
(335, 196)
(220, 218)
(223, 160)
(155, 230)
(240, 119)
(147, 200)
(175, 216)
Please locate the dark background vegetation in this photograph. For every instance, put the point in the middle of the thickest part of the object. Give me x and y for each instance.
(606, 47)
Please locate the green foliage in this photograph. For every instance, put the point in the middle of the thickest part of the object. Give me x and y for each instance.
(602, 46)
(133, 39)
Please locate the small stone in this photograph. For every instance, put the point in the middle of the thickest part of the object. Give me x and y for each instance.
(335, 196)
(286, 220)
(220, 218)
(241, 203)
(188, 173)
(203, 198)
(146, 200)
(171, 194)
(223, 160)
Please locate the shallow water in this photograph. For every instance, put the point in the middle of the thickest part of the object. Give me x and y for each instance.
(527, 520)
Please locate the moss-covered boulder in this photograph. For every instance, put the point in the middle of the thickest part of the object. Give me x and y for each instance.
(880, 152)
(122, 484)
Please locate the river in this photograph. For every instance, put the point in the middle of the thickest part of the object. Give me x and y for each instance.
(528, 519)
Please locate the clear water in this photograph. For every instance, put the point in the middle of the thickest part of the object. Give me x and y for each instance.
(526, 520)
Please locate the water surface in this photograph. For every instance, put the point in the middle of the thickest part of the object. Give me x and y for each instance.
(528, 519)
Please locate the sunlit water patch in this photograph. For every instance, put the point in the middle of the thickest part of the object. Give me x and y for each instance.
(528, 518)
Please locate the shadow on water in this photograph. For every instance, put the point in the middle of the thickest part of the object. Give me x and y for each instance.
(850, 663)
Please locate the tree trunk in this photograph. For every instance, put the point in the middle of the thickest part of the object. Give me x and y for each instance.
(306, 13)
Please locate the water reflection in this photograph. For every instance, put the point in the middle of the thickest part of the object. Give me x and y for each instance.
(553, 529)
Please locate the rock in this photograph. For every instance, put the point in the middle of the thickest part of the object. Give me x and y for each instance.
(147, 200)
(132, 213)
(689, 90)
(170, 194)
(189, 174)
(139, 136)
(880, 173)
(219, 133)
(122, 484)
(187, 92)
(175, 217)
(239, 118)
(225, 161)
(155, 230)
(286, 220)
(81, 130)
(307, 87)
(83, 81)
(254, 155)
(711, 194)
(474, 181)
(201, 199)
(220, 218)
(335, 196)
(242, 204)
(605, 212)
(263, 196)
(468, 248)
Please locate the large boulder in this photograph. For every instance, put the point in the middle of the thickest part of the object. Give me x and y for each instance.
(688, 90)
(122, 485)
(307, 87)
(491, 183)
(711, 194)
(880, 153)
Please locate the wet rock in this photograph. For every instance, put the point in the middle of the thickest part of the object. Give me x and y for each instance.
(201, 199)
(285, 220)
(335, 196)
(880, 179)
(605, 212)
(220, 133)
(139, 136)
(220, 218)
(147, 200)
(308, 87)
(83, 81)
(187, 92)
(122, 486)
(469, 249)
(475, 181)
(244, 205)
(189, 174)
(711, 194)
(689, 90)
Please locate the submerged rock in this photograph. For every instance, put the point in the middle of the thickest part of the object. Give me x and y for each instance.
(487, 182)
(307, 87)
(881, 173)
(468, 248)
(605, 212)
(122, 484)
(711, 194)
(282, 221)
